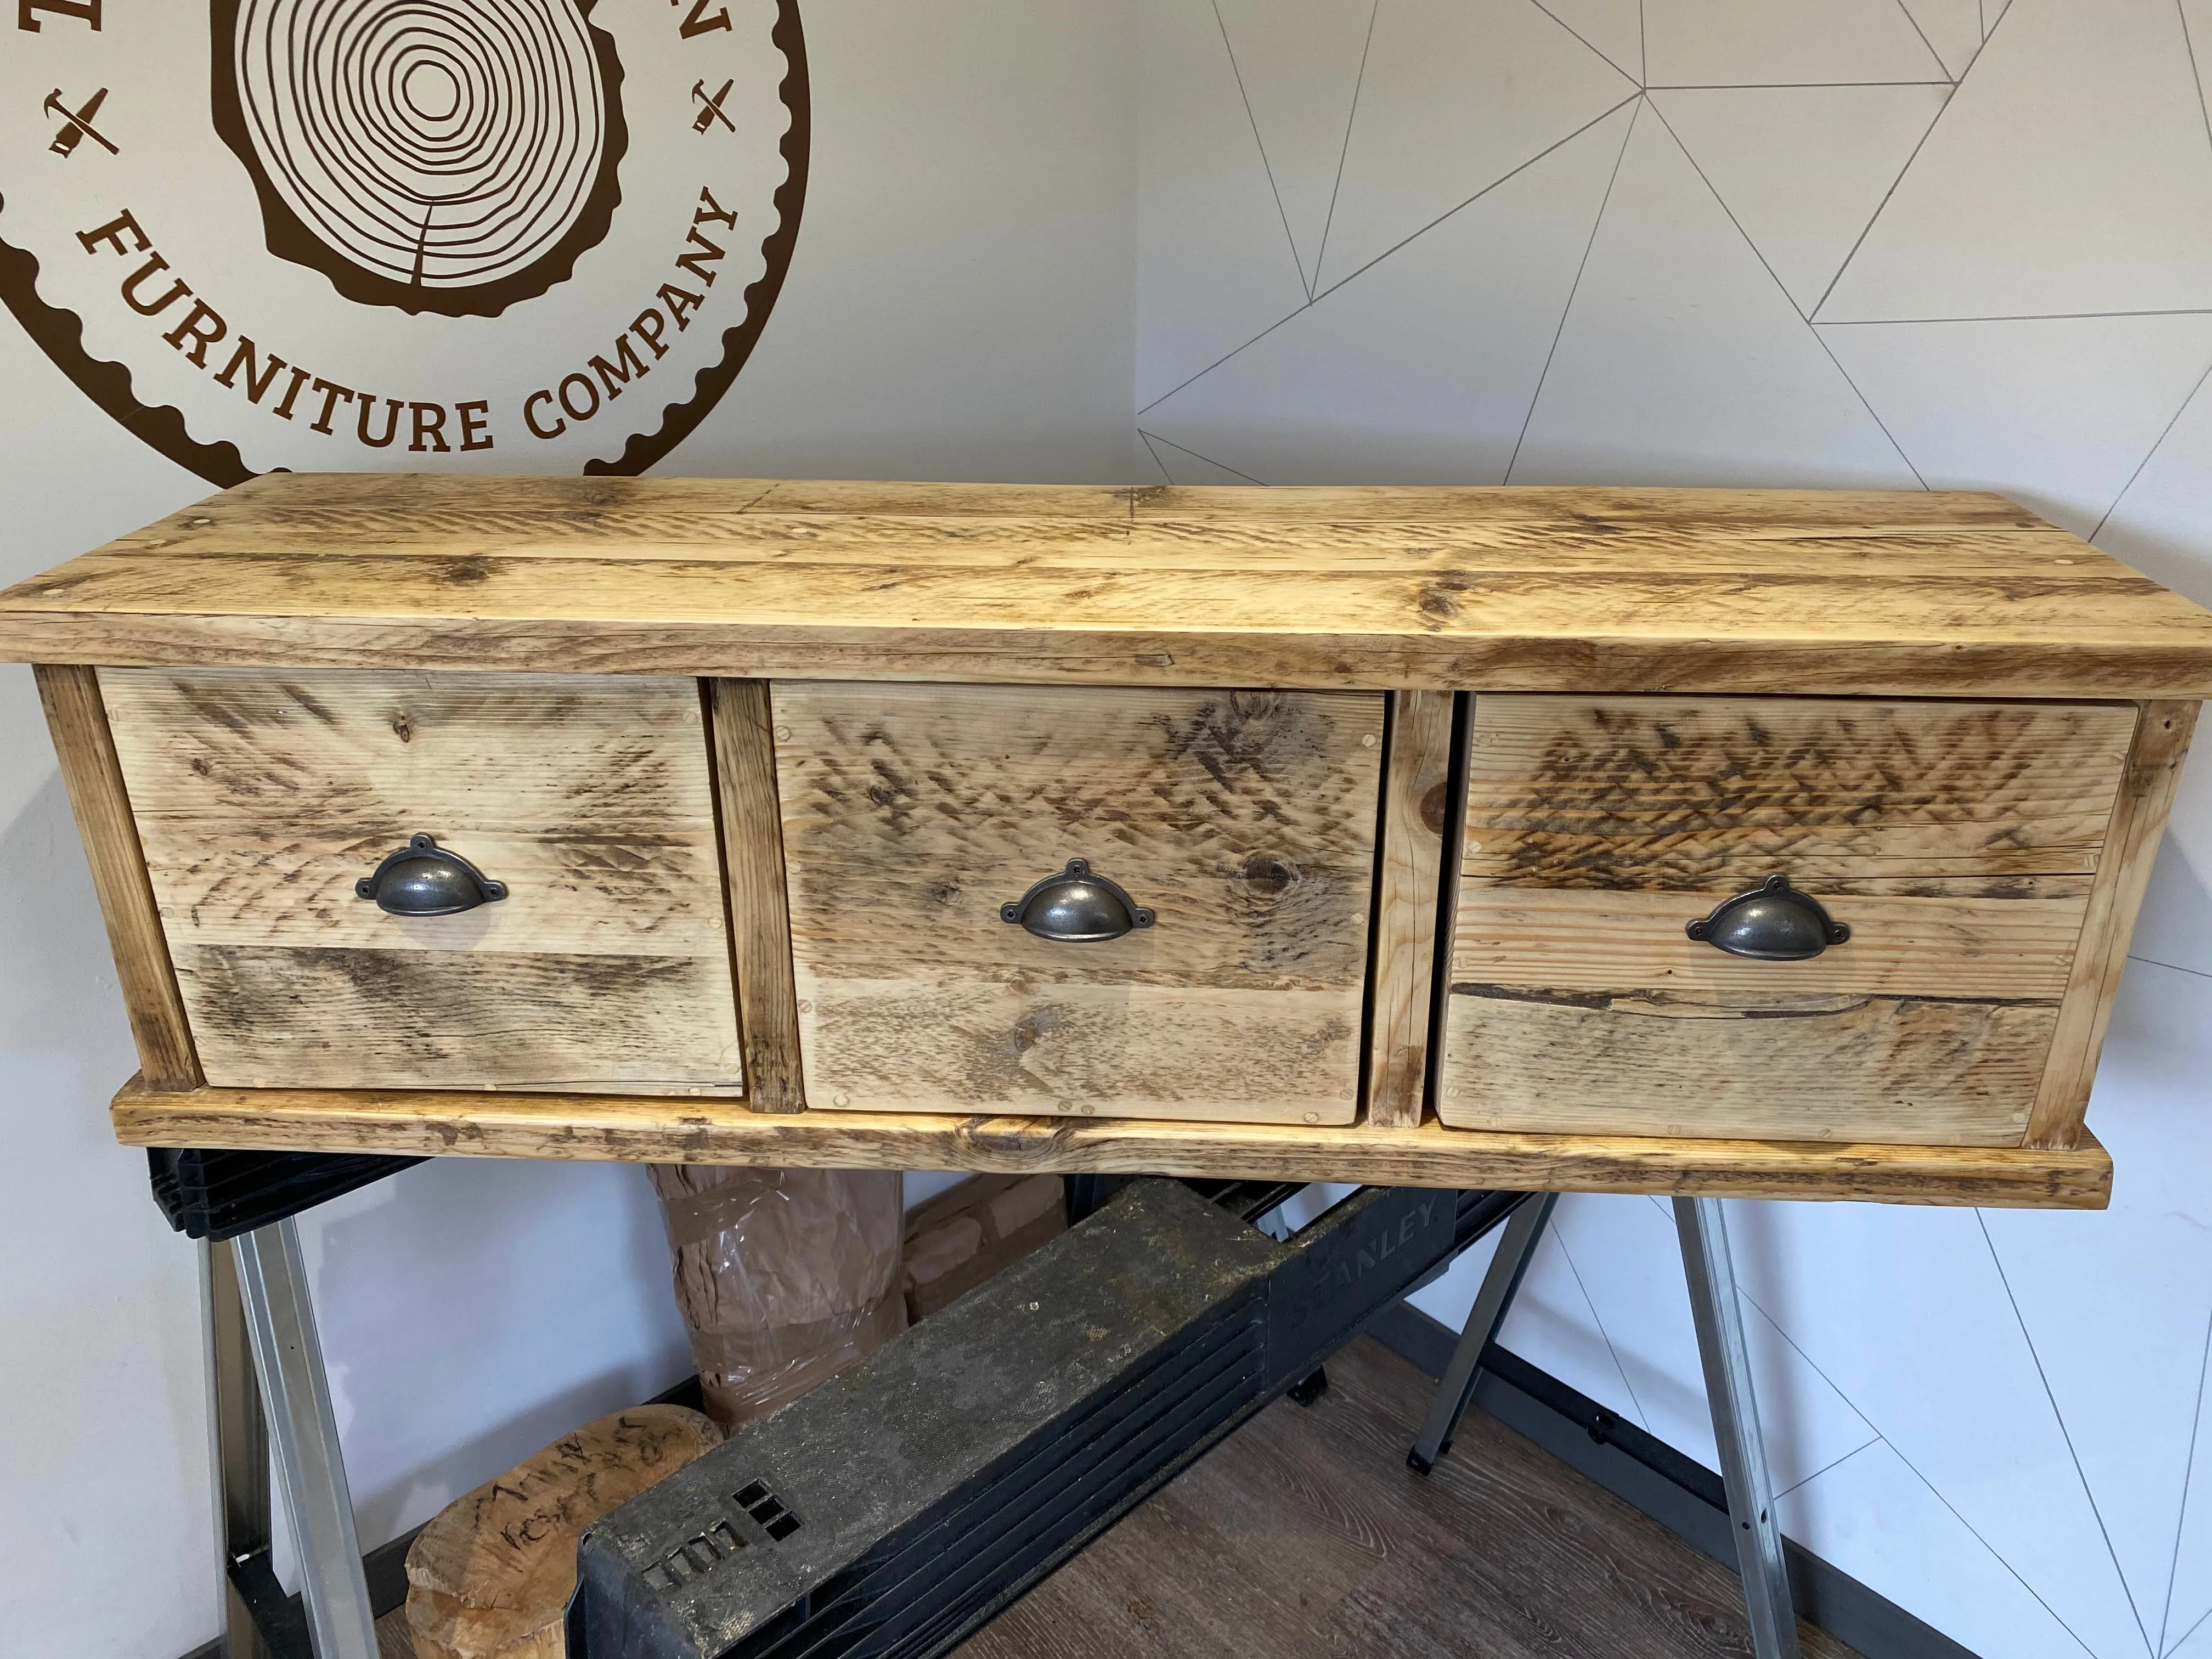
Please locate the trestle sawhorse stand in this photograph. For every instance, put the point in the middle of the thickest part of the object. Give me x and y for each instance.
(260, 1308)
(1718, 1315)
(271, 1395)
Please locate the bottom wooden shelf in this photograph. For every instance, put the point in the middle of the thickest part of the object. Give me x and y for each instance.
(601, 1127)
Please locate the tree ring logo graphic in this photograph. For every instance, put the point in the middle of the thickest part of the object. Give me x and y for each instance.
(519, 235)
(428, 156)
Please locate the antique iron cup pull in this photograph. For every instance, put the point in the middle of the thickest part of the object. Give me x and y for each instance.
(1770, 922)
(423, 879)
(1076, 907)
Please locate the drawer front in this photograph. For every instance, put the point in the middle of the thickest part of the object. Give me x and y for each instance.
(1244, 820)
(1957, 842)
(263, 797)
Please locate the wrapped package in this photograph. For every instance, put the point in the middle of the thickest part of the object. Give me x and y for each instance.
(785, 1276)
(974, 1230)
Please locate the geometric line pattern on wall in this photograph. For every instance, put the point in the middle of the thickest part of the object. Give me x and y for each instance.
(1802, 170)
(1454, 95)
(1720, 43)
(1613, 29)
(1558, 1329)
(1299, 64)
(1952, 28)
(2157, 522)
(2008, 266)
(2180, 1618)
(1630, 1263)
(2143, 465)
(2033, 195)
(2196, 29)
(1214, 265)
(2187, 1606)
(1421, 368)
(2127, 1369)
(1850, 1532)
(1875, 1513)
(1566, 1254)
(1940, 1364)
(1179, 465)
(2073, 404)
(1683, 359)
(2073, 1451)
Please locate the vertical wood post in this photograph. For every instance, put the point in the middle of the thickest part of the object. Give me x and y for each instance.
(1416, 787)
(93, 776)
(2123, 866)
(760, 908)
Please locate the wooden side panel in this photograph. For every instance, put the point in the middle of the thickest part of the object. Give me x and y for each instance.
(102, 804)
(1244, 819)
(2145, 796)
(760, 915)
(1416, 782)
(263, 797)
(1960, 842)
(717, 1132)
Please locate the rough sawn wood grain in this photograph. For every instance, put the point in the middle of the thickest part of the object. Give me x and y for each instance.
(1408, 884)
(263, 797)
(1245, 820)
(93, 776)
(759, 911)
(1586, 589)
(600, 1127)
(1959, 842)
(489, 1577)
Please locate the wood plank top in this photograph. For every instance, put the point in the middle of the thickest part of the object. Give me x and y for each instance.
(1589, 590)
(630, 1128)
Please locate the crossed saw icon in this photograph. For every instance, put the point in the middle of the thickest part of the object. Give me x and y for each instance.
(77, 124)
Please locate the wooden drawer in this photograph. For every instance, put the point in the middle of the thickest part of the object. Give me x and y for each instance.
(262, 798)
(1244, 820)
(1959, 842)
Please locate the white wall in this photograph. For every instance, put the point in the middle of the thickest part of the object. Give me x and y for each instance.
(959, 306)
(1754, 241)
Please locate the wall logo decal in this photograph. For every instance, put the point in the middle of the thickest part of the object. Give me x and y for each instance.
(331, 235)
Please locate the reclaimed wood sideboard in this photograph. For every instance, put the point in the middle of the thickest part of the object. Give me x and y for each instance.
(1758, 843)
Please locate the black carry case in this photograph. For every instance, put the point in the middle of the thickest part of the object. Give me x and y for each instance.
(897, 1507)
(216, 1196)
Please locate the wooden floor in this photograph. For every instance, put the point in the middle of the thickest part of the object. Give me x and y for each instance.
(1306, 1534)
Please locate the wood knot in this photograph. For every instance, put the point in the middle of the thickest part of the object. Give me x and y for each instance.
(1433, 804)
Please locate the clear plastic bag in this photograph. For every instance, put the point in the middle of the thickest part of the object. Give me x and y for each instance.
(785, 1276)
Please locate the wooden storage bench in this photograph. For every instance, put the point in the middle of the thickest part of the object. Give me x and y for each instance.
(1710, 842)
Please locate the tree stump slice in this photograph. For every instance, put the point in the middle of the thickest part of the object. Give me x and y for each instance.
(491, 1575)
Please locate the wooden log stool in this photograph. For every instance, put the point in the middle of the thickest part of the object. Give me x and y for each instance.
(491, 1575)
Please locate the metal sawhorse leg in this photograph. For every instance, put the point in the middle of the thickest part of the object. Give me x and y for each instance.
(261, 1308)
(1706, 1265)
